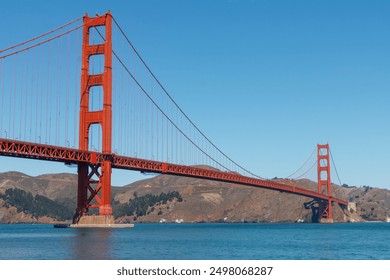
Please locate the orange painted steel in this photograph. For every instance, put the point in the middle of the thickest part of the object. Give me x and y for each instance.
(323, 167)
(67, 155)
(15, 148)
(94, 179)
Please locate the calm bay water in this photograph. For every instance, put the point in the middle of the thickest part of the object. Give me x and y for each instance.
(199, 241)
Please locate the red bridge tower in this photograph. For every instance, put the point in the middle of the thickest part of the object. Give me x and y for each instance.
(324, 182)
(94, 179)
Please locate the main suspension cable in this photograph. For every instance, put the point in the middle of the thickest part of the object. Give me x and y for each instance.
(177, 106)
(311, 168)
(296, 171)
(337, 173)
(165, 115)
(40, 36)
(42, 42)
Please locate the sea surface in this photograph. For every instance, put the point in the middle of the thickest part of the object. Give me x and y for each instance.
(357, 241)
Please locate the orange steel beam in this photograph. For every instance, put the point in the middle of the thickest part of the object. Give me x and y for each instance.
(229, 177)
(14, 148)
(67, 155)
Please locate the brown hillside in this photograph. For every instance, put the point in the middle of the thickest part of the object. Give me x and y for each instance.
(203, 200)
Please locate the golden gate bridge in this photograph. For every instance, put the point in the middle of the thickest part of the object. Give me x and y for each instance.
(122, 114)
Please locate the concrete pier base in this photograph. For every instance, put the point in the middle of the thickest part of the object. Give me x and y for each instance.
(98, 221)
(326, 221)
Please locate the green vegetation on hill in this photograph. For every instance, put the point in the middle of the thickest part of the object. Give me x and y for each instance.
(142, 205)
(37, 206)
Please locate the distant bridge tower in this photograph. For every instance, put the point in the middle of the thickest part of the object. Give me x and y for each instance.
(94, 179)
(324, 183)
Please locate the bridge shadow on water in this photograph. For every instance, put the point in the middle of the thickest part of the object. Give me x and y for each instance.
(91, 244)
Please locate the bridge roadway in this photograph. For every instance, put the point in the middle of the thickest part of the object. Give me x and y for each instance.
(15, 148)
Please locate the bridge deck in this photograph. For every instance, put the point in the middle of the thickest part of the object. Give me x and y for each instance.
(14, 148)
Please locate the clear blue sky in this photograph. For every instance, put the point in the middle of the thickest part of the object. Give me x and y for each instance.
(265, 80)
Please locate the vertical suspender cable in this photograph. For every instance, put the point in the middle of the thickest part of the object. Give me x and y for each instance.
(48, 108)
(2, 97)
(33, 78)
(47, 116)
(152, 125)
(13, 112)
(25, 101)
(189, 120)
(76, 97)
(67, 82)
(337, 173)
(19, 102)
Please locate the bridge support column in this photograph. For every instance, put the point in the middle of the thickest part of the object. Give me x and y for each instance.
(324, 183)
(92, 193)
(94, 179)
(325, 211)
